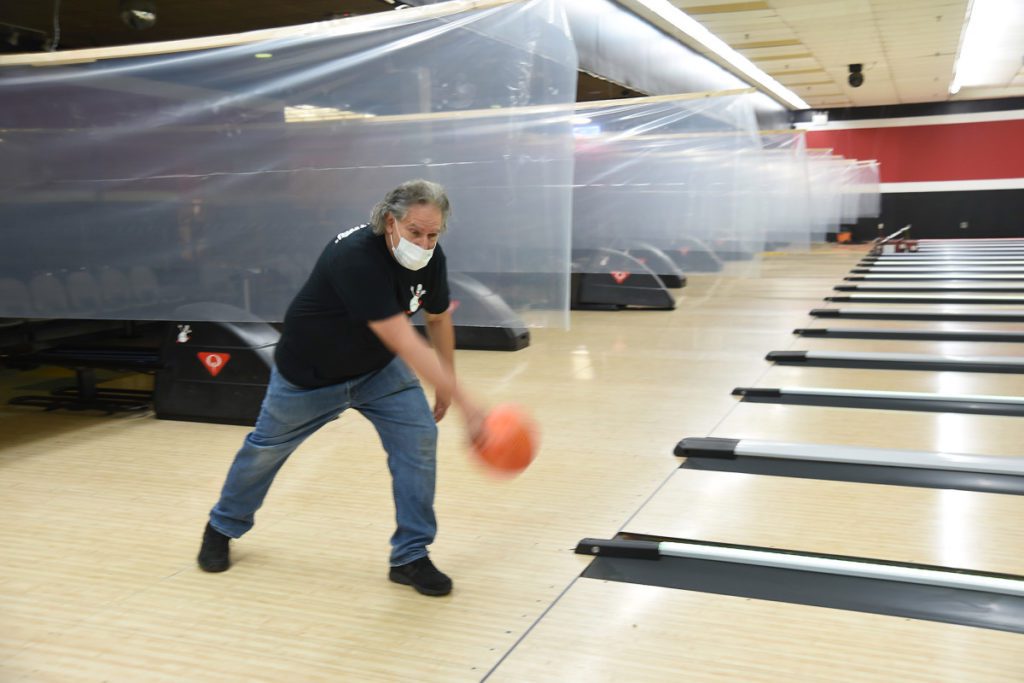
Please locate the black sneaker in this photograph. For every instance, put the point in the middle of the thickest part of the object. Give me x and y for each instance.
(215, 555)
(422, 575)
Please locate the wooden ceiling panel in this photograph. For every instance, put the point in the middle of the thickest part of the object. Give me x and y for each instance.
(775, 68)
(811, 78)
(695, 9)
(907, 46)
(759, 44)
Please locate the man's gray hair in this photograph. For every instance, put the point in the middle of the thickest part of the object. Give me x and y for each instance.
(399, 200)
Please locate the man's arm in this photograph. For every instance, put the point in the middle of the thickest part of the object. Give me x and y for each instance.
(398, 335)
(442, 337)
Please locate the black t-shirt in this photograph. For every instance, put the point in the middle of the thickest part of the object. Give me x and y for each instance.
(326, 338)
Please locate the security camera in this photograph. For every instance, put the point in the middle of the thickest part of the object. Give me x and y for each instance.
(856, 78)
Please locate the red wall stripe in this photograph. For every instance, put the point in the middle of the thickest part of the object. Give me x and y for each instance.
(956, 151)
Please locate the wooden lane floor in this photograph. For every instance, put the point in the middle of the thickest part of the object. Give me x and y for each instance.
(649, 633)
(938, 325)
(1000, 318)
(610, 631)
(946, 528)
(655, 633)
(104, 514)
(103, 518)
(975, 383)
(925, 431)
(939, 431)
(953, 432)
(937, 348)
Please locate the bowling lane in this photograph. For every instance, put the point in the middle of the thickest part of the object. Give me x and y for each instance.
(948, 528)
(602, 631)
(924, 431)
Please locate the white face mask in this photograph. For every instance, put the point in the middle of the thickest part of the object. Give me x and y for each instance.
(410, 255)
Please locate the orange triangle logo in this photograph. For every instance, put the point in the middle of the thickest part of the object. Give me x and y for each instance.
(619, 276)
(213, 362)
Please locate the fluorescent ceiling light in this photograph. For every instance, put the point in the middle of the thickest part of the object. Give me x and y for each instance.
(662, 11)
(990, 46)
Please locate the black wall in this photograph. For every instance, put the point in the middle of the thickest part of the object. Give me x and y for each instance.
(938, 215)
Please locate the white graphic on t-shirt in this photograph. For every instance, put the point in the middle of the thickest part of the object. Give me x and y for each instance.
(417, 296)
(343, 235)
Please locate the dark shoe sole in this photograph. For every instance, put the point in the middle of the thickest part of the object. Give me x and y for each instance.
(405, 581)
(214, 567)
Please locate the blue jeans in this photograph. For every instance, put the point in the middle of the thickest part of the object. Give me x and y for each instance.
(392, 399)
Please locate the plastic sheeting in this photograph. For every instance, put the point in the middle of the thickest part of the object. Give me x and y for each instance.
(842, 191)
(860, 194)
(786, 200)
(849, 199)
(826, 175)
(133, 186)
(671, 175)
(869, 189)
(616, 44)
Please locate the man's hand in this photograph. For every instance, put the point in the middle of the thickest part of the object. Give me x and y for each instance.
(474, 415)
(441, 404)
(398, 335)
(442, 336)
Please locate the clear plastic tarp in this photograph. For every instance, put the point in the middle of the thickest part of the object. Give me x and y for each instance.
(826, 175)
(786, 210)
(135, 185)
(869, 189)
(671, 178)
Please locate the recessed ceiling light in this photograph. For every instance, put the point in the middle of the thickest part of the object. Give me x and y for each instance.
(990, 44)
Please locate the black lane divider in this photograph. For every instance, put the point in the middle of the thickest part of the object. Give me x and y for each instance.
(949, 265)
(874, 596)
(714, 455)
(941, 289)
(922, 335)
(877, 402)
(1008, 255)
(955, 316)
(959, 259)
(823, 360)
(930, 278)
(910, 299)
(945, 272)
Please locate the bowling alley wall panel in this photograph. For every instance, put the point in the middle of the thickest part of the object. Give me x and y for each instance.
(948, 169)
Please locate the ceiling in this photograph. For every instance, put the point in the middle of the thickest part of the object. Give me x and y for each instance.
(907, 47)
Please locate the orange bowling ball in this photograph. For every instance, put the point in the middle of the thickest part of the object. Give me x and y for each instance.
(508, 441)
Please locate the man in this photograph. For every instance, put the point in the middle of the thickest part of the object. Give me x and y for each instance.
(348, 343)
